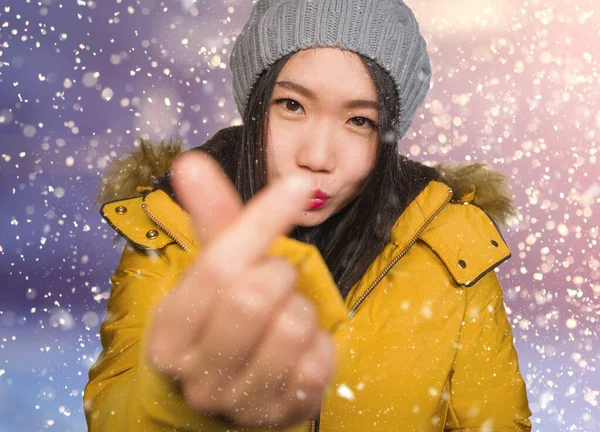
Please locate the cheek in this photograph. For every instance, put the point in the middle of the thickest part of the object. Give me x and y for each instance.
(360, 161)
(279, 149)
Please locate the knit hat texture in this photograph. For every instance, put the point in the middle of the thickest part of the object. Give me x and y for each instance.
(385, 31)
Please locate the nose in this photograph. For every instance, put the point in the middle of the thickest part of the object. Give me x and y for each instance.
(317, 151)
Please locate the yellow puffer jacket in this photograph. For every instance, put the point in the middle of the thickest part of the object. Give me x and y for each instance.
(423, 340)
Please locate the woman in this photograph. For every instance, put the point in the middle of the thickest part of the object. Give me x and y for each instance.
(380, 311)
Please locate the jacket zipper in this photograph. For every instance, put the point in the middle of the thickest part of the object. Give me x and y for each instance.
(396, 259)
(182, 243)
(313, 426)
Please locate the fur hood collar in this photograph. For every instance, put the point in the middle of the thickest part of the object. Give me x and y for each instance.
(149, 163)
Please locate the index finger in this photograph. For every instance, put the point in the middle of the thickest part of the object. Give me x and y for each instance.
(273, 212)
(206, 194)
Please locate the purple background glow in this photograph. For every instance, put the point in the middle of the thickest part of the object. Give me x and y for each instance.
(515, 84)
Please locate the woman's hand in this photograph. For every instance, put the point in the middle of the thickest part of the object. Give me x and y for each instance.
(235, 335)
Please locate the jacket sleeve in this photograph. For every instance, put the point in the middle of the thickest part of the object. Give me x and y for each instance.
(487, 391)
(123, 393)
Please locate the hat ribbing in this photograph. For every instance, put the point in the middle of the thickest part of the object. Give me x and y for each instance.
(385, 31)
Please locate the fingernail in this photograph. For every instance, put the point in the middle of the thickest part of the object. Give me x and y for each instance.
(187, 169)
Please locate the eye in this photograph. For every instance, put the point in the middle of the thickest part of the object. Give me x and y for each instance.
(289, 104)
(293, 106)
(362, 121)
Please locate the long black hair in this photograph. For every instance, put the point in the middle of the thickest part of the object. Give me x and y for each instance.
(352, 238)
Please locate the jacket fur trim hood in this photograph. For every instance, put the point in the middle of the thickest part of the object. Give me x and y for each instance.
(473, 182)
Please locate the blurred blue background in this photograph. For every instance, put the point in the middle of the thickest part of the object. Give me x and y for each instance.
(515, 84)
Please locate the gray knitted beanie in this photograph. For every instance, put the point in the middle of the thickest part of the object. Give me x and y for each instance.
(385, 31)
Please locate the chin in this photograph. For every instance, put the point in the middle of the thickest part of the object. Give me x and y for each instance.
(310, 218)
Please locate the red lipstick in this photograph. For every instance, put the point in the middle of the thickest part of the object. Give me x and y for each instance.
(319, 199)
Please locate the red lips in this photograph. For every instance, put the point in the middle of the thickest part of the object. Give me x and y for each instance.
(319, 199)
(319, 194)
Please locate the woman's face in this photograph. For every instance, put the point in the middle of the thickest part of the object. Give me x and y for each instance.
(323, 120)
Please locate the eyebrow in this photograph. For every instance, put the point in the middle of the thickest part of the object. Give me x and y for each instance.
(359, 103)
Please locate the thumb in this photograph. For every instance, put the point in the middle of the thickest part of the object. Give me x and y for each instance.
(206, 194)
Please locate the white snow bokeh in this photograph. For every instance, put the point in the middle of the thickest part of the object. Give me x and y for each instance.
(515, 84)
